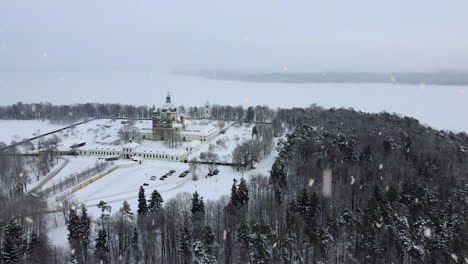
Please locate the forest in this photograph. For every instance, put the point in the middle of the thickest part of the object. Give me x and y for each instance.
(346, 187)
(67, 114)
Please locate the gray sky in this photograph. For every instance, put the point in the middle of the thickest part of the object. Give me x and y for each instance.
(302, 35)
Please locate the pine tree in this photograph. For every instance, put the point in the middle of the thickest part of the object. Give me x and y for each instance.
(278, 196)
(243, 192)
(74, 235)
(303, 202)
(14, 244)
(198, 216)
(101, 252)
(244, 241)
(201, 257)
(278, 174)
(126, 211)
(105, 211)
(155, 202)
(32, 244)
(208, 239)
(258, 243)
(142, 206)
(185, 244)
(85, 231)
(136, 246)
(234, 195)
(198, 207)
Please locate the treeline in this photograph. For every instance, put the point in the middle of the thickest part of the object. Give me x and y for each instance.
(370, 188)
(71, 113)
(250, 152)
(347, 187)
(75, 112)
(23, 233)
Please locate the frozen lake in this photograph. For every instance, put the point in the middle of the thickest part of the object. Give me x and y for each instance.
(443, 107)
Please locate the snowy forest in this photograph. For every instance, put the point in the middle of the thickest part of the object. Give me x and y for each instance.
(346, 187)
(67, 114)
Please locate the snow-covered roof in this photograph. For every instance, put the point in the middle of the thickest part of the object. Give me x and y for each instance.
(166, 151)
(101, 147)
(169, 106)
(131, 145)
(193, 143)
(200, 130)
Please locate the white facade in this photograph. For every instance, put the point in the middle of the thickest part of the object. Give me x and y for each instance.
(129, 151)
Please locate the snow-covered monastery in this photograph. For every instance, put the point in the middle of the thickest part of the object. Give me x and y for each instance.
(169, 125)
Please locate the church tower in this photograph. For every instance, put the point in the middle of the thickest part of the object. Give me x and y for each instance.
(165, 120)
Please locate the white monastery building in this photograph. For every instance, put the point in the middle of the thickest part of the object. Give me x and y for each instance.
(167, 125)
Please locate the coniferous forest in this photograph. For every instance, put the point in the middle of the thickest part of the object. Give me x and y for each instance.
(346, 187)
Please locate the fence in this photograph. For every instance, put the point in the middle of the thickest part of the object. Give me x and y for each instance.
(51, 175)
(87, 182)
(74, 180)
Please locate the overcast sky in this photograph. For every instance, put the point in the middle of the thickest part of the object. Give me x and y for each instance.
(266, 35)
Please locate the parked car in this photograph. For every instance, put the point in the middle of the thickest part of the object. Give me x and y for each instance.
(171, 171)
(215, 172)
(162, 179)
(153, 178)
(187, 171)
(145, 184)
(210, 174)
(182, 175)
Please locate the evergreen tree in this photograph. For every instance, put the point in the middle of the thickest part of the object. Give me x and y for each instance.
(14, 244)
(278, 174)
(198, 216)
(38, 250)
(32, 244)
(200, 256)
(278, 196)
(155, 202)
(243, 237)
(105, 211)
(85, 231)
(234, 195)
(198, 207)
(101, 252)
(303, 203)
(185, 244)
(74, 235)
(126, 211)
(142, 206)
(259, 245)
(136, 246)
(243, 192)
(208, 239)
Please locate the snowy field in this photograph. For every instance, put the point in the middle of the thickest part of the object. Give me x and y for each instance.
(21, 129)
(224, 144)
(77, 165)
(100, 131)
(442, 107)
(123, 184)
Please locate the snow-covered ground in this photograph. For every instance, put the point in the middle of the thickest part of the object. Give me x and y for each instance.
(224, 144)
(33, 178)
(76, 165)
(21, 129)
(100, 131)
(123, 185)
